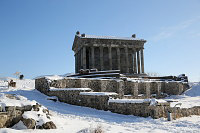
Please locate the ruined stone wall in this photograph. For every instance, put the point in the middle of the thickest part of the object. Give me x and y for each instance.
(42, 84)
(95, 101)
(69, 96)
(133, 88)
(73, 97)
(158, 111)
(101, 101)
(184, 112)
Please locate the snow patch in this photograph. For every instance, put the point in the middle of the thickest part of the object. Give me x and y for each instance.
(20, 101)
(54, 77)
(194, 91)
(69, 89)
(19, 126)
(151, 101)
(98, 93)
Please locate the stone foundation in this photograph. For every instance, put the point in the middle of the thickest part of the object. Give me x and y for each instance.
(115, 89)
(122, 87)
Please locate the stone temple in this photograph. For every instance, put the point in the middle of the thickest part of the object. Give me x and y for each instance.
(120, 84)
(109, 53)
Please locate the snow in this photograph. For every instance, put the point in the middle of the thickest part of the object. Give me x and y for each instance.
(151, 101)
(39, 116)
(20, 125)
(98, 93)
(54, 77)
(195, 91)
(188, 99)
(21, 101)
(72, 119)
(69, 89)
(110, 37)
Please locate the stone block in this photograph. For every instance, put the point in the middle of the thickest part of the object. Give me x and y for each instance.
(29, 123)
(147, 89)
(135, 89)
(3, 120)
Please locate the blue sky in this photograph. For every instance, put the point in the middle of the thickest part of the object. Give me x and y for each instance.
(36, 36)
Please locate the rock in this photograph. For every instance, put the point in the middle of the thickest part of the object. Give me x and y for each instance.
(29, 123)
(3, 120)
(39, 127)
(24, 108)
(11, 110)
(12, 96)
(46, 111)
(49, 125)
(36, 107)
(48, 116)
(28, 108)
(16, 118)
(53, 99)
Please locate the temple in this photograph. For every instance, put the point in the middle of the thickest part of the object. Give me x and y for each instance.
(109, 53)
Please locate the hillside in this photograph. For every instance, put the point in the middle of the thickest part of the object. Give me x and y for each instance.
(72, 119)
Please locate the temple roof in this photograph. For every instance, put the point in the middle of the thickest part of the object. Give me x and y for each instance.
(109, 37)
(79, 37)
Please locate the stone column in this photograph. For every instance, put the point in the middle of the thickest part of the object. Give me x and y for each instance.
(81, 58)
(110, 57)
(142, 60)
(134, 62)
(147, 89)
(127, 60)
(138, 61)
(180, 88)
(118, 57)
(120, 88)
(76, 64)
(135, 89)
(101, 58)
(92, 56)
(84, 57)
(158, 88)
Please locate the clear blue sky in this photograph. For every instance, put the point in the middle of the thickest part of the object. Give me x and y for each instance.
(36, 36)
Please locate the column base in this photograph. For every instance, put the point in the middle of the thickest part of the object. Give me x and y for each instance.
(133, 75)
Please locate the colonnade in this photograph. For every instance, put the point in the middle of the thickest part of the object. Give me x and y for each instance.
(88, 58)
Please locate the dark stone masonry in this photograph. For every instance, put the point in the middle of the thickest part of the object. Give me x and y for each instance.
(88, 92)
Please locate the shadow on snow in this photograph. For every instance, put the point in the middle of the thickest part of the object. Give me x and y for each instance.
(64, 108)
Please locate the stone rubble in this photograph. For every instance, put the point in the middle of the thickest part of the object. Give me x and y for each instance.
(15, 114)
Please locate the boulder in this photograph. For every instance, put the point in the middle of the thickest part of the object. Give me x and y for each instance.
(36, 107)
(29, 123)
(49, 125)
(3, 120)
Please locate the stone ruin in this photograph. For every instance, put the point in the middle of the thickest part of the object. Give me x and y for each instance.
(110, 76)
(109, 53)
(117, 95)
(11, 116)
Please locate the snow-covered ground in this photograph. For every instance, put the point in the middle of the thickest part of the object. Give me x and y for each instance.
(73, 119)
